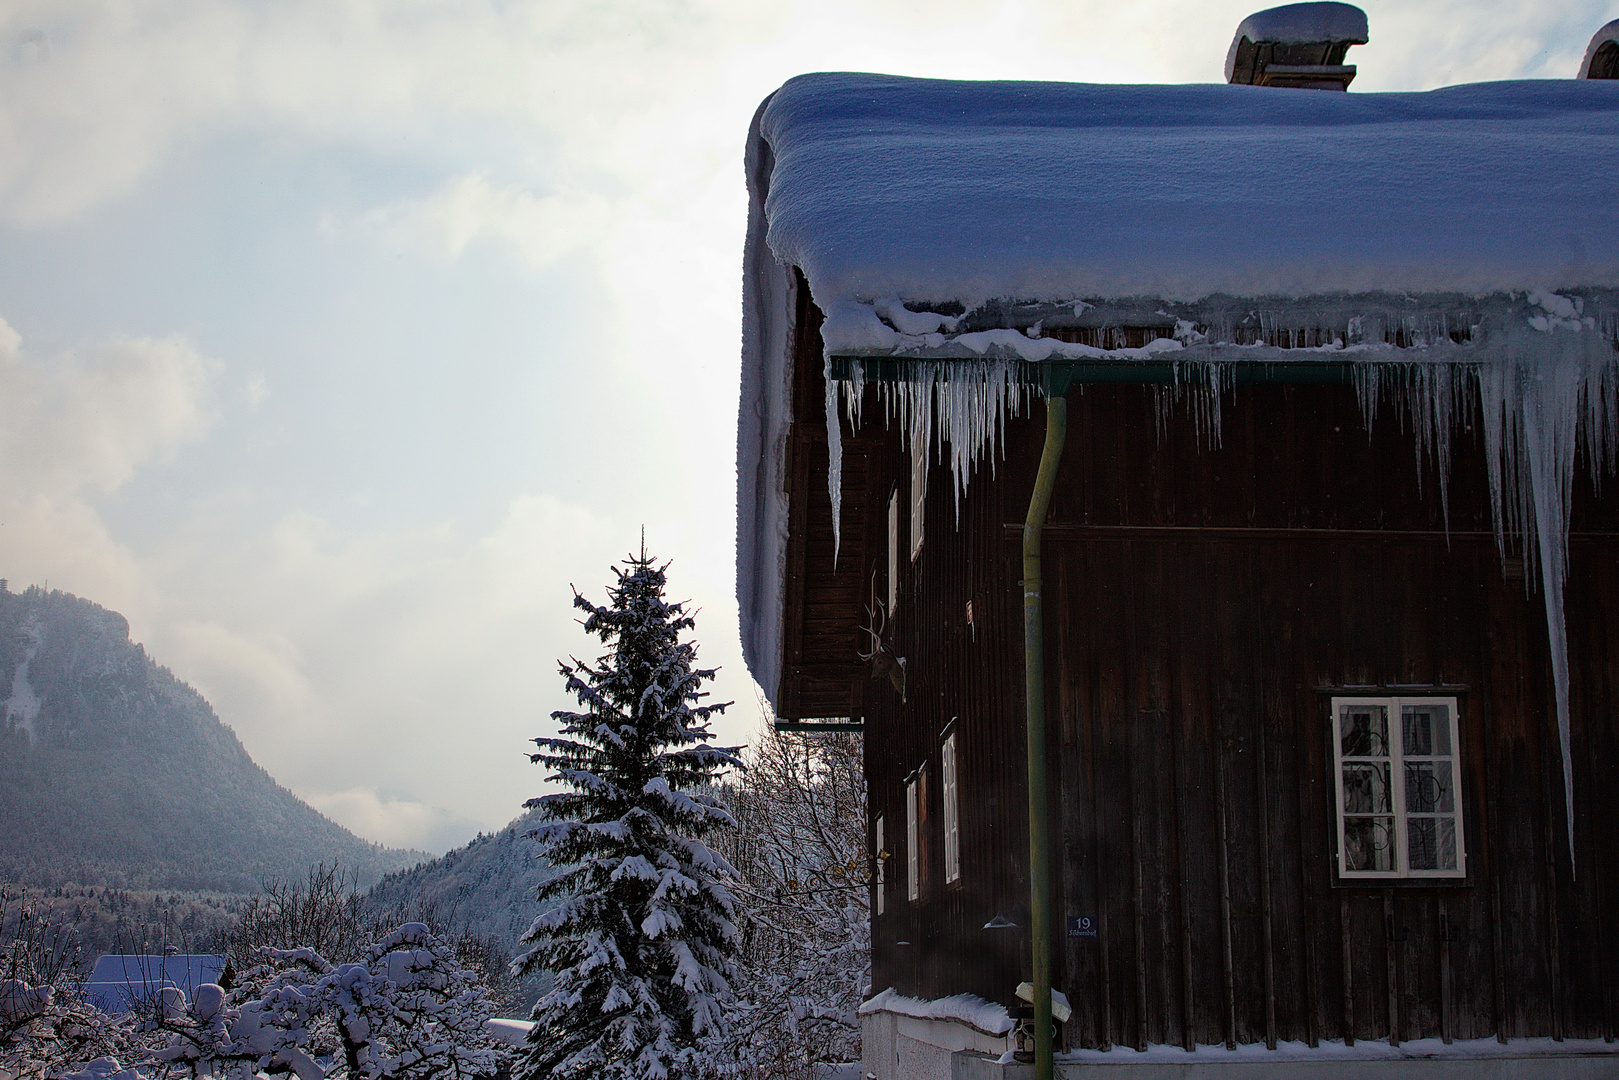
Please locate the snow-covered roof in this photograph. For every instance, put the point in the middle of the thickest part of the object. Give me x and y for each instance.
(936, 191)
(118, 981)
(909, 202)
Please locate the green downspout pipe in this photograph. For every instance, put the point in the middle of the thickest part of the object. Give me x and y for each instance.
(1034, 666)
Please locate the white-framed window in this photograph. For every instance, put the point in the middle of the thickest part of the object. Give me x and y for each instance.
(880, 856)
(1398, 787)
(913, 869)
(947, 790)
(893, 550)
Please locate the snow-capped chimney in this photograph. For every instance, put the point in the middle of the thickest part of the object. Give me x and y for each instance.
(1602, 55)
(1297, 45)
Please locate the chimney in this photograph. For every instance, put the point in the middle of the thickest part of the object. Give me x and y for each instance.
(1300, 46)
(1602, 55)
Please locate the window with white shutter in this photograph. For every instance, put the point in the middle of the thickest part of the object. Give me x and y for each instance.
(913, 875)
(879, 858)
(952, 836)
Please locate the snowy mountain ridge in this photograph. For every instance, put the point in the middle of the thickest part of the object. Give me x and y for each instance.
(114, 772)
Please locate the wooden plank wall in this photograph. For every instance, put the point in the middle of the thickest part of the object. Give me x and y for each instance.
(956, 681)
(1208, 598)
(1205, 599)
(827, 585)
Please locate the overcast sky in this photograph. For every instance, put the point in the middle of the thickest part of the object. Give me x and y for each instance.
(339, 337)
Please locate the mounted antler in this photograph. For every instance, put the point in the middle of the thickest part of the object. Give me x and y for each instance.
(881, 659)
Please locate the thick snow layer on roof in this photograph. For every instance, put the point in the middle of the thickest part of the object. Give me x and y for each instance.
(1293, 24)
(939, 192)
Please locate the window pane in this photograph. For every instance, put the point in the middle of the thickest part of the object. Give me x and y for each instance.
(1432, 843)
(1427, 730)
(1365, 731)
(1368, 843)
(1445, 829)
(1366, 788)
(1428, 788)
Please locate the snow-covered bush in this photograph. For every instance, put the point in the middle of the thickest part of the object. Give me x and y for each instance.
(802, 888)
(641, 942)
(46, 1027)
(47, 1031)
(408, 1011)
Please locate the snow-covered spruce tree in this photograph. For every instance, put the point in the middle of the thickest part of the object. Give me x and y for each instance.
(641, 943)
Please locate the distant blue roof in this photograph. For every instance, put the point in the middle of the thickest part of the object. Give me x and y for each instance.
(118, 981)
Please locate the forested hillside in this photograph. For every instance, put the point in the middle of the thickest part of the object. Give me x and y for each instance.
(115, 773)
(485, 890)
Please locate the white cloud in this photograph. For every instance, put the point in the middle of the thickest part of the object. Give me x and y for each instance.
(469, 209)
(94, 96)
(79, 425)
(393, 820)
(88, 419)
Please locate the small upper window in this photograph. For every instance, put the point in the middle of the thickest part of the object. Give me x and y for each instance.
(1398, 787)
(893, 551)
(913, 871)
(947, 785)
(878, 857)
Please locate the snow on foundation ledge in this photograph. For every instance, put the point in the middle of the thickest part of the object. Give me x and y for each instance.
(508, 1032)
(1335, 1050)
(969, 1009)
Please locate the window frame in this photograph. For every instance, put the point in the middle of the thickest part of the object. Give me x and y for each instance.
(913, 875)
(1398, 811)
(950, 812)
(880, 877)
(893, 550)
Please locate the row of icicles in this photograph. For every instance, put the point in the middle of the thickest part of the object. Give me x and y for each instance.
(1550, 396)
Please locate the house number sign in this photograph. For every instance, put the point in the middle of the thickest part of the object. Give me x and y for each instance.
(1081, 926)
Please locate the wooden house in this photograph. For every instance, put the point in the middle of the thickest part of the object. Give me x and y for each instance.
(1322, 388)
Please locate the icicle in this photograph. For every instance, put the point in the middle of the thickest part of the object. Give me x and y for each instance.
(960, 402)
(1543, 376)
(1202, 382)
(1533, 403)
(1548, 435)
(834, 460)
(1532, 407)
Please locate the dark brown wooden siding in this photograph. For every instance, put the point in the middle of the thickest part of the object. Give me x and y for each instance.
(1202, 604)
(828, 585)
